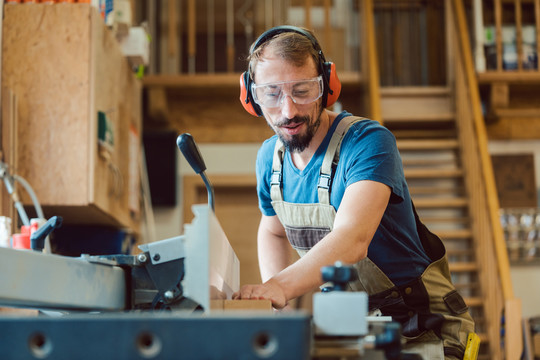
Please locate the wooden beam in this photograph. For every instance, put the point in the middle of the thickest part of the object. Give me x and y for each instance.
(519, 34)
(498, 33)
(192, 36)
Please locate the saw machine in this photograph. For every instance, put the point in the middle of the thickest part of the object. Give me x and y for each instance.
(157, 304)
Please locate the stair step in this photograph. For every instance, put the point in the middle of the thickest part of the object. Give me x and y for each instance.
(474, 301)
(408, 91)
(425, 161)
(432, 144)
(463, 267)
(435, 189)
(458, 220)
(465, 286)
(459, 252)
(432, 173)
(423, 203)
(421, 133)
(453, 233)
(419, 118)
(414, 103)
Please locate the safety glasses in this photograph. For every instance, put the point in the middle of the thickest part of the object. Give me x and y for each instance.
(301, 92)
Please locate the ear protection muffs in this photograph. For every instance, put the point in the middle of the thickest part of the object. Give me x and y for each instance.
(332, 85)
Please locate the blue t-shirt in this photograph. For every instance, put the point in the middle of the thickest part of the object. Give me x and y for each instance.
(368, 152)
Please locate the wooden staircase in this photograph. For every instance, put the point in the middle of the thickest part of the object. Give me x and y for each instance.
(425, 127)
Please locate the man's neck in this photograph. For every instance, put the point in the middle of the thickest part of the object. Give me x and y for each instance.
(301, 159)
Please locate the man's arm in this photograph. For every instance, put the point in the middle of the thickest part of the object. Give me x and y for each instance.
(357, 219)
(272, 247)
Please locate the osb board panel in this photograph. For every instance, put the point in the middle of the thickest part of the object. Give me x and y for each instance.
(46, 64)
(116, 92)
(65, 67)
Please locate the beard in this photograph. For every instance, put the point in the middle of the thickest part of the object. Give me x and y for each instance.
(299, 142)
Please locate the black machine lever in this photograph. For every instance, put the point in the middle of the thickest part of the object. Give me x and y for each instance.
(37, 239)
(191, 152)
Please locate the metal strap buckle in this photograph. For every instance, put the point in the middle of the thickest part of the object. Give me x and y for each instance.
(275, 179)
(325, 181)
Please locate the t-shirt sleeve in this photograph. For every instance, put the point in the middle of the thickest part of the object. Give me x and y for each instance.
(263, 169)
(370, 153)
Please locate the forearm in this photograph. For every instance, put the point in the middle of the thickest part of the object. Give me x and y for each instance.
(305, 274)
(273, 253)
(355, 225)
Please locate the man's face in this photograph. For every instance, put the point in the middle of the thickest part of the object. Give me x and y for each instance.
(294, 122)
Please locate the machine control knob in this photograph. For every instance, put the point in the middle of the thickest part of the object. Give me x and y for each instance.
(339, 275)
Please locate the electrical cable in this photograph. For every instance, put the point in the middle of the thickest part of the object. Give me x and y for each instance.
(30, 191)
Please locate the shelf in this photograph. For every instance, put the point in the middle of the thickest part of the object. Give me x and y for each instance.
(512, 77)
(221, 80)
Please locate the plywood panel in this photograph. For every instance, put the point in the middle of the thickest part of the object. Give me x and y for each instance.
(65, 66)
(53, 96)
(116, 92)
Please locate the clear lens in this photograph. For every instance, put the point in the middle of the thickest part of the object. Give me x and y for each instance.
(302, 92)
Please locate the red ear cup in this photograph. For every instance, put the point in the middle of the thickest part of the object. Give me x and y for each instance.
(245, 96)
(334, 85)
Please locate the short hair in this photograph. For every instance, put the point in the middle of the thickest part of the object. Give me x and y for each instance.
(290, 46)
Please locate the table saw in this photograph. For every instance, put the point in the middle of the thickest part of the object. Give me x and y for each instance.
(157, 305)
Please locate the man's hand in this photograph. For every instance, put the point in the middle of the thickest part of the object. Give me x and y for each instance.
(270, 290)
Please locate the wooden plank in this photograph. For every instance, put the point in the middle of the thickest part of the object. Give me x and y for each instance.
(513, 331)
(226, 80)
(432, 173)
(391, 118)
(236, 199)
(192, 35)
(442, 144)
(537, 23)
(370, 63)
(454, 233)
(499, 95)
(84, 72)
(519, 34)
(463, 267)
(438, 202)
(61, 84)
(511, 77)
(498, 34)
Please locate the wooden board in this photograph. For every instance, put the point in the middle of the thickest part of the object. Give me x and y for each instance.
(65, 68)
(238, 213)
(515, 179)
(62, 78)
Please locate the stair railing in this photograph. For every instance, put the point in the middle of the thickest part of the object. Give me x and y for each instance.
(491, 254)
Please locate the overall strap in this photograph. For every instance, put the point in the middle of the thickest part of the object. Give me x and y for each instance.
(331, 158)
(277, 172)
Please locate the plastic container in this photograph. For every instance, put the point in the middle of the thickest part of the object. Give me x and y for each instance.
(21, 241)
(5, 231)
